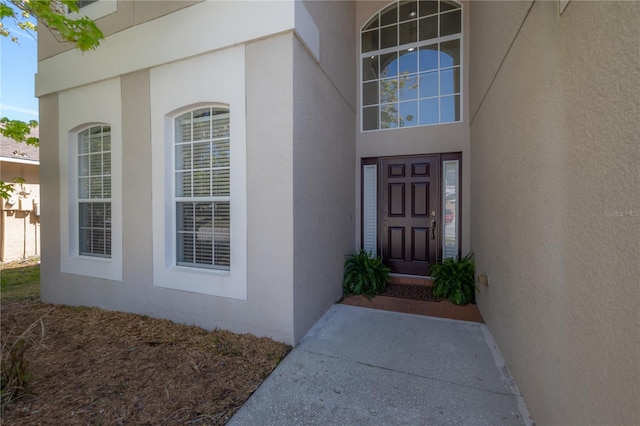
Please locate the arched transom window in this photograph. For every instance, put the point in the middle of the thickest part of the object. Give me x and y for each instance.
(411, 65)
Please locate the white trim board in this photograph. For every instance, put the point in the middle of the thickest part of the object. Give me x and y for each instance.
(217, 77)
(204, 27)
(79, 109)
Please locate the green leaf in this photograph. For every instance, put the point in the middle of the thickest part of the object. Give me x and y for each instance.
(18, 130)
(455, 279)
(82, 31)
(364, 274)
(6, 190)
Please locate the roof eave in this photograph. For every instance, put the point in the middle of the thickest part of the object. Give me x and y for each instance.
(20, 160)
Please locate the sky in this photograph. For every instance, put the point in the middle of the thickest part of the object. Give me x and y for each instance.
(18, 63)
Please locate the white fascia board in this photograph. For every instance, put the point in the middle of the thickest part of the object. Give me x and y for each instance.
(19, 161)
(195, 30)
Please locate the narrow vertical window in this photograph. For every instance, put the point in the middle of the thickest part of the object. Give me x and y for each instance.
(94, 191)
(202, 188)
(370, 208)
(451, 207)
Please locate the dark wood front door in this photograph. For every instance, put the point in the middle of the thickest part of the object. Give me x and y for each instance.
(409, 211)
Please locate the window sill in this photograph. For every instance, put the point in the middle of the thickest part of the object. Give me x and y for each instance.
(212, 282)
(97, 267)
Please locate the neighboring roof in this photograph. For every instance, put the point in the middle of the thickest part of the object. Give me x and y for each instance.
(11, 150)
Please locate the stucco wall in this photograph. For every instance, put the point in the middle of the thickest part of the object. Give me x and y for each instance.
(268, 308)
(323, 157)
(269, 182)
(556, 201)
(50, 195)
(127, 13)
(133, 60)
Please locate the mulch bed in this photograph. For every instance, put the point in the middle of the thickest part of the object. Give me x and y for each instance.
(408, 291)
(99, 367)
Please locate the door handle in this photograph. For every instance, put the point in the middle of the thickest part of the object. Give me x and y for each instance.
(433, 229)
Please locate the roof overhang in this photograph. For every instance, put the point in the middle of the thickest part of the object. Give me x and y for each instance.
(19, 160)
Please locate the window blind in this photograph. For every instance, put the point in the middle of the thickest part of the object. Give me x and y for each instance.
(370, 205)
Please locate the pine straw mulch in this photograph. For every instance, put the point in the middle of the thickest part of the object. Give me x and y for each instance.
(112, 368)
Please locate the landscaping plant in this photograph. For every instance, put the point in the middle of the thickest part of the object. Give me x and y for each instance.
(365, 274)
(454, 279)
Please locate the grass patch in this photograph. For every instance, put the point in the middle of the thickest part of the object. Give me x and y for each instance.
(20, 281)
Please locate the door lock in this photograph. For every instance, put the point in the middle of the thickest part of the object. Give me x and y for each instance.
(433, 229)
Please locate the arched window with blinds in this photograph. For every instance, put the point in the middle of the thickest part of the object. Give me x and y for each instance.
(202, 188)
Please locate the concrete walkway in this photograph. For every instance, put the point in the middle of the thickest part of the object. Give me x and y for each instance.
(360, 366)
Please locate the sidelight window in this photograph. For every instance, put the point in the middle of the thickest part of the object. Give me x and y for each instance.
(451, 208)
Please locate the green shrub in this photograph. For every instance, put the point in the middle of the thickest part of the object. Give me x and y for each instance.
(454, 279)
(365, 274)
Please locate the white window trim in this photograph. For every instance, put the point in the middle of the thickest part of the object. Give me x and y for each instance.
(78, 111)
(415, 45)
(223, 72)
(189, 199)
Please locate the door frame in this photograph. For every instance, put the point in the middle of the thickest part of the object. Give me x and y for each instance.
(442, 157)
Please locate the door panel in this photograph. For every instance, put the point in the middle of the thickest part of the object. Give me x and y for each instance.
(410, 195)
(396, 199)
(420, 169)
(420, 199)
(396, 243)
(420, 244)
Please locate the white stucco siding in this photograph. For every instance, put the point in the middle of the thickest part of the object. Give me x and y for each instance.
(323, 157)
(494, 43)
(95, 104)
(214, 78)
(50, 197)
(255, 80)
(270, 184)
(555, 156)
(337, 39)
(265, 180)
(191, 31)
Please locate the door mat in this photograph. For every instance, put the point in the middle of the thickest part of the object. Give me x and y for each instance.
(408, 291)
